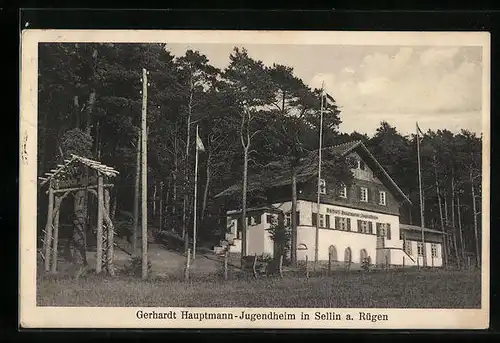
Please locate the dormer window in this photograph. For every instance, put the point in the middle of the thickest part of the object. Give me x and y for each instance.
(361, 165)
(322, 186)
(382, 198)
(364, 194)
(343, 191)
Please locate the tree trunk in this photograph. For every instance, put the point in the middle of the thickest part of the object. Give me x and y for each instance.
(460, 233)
(136, 196)
(154, 201)
(207, 185)
(174, 184)
(79, 237)
(293, 215)
(438, 193)
(474, 210)
(244, 204)
(186, 169)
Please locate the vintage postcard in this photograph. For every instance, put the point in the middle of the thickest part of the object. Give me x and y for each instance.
(254, 179)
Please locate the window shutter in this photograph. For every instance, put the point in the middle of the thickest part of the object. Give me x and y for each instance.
(297, 219)
(388, 231)
(359, 225)
(268, 219)
(327, 221)
(370, 227)
(378, 229)
(314, 219)
(359, 193)
(337, 223)
(348, 224)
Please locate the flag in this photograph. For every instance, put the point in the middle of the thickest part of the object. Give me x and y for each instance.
(199, 143)
(420, 131)
(420, 134)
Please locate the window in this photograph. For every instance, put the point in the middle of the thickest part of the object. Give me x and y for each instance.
(361, 165)
(321, 220)
(381, 198)
(314, 219)
(364, 194)
(322, 186)
(364, 226)
(434, 250)
(342, 223)
(253, 220)
(407, 247)
(332, 253)
(327, 221)
(343, 191)
(288, 219)
(269, 218)
(420, 249)
(384, 230)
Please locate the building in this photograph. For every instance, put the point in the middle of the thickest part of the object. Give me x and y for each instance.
(355, 222)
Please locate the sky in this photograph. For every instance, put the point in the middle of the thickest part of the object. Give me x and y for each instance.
(440, 87)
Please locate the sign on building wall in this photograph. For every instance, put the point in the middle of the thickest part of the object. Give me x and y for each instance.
(352, 214)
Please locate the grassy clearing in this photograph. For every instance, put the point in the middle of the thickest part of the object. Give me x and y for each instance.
(383, 289)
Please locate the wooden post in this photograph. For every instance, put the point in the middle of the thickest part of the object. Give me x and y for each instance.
(281, 266)
(48, 229)
(329, 263)
(254, 265)
(56, 232)
(144, 225)
(307, 268)
(161, 206)
(403, 262)
(111, 234)
(226, 256)
(188, 261)
(100, 209)
(137, 187)
(418, 260)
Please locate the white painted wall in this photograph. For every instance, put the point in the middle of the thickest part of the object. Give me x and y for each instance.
(340, 239)
(438, 261)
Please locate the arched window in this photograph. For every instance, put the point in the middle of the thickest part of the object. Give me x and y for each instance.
(347, 255)
(363, 255)
(332, 253)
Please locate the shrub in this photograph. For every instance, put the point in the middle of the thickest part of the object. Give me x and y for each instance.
(281, 236)
(366, 264)
(135, 266)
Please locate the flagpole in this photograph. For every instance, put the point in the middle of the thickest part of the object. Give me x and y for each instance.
(316, 251)
(422, 223)
(195, 194)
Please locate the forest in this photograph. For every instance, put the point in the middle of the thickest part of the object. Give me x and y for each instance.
(249, 116)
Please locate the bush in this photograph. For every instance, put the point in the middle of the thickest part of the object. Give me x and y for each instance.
(281, 236)
(135, 266)
(366, 264)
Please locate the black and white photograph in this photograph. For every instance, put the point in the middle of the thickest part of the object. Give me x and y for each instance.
(250, 179)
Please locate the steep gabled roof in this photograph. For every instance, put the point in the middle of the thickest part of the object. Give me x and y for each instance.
(308, 168)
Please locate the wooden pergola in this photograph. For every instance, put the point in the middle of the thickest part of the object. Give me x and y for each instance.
(73, 176)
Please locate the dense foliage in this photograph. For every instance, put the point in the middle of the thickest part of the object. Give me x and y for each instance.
(249, 115)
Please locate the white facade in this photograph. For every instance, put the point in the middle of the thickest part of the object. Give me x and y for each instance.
(386, 248)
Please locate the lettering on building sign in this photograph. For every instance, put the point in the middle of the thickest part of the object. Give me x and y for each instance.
(351, 214)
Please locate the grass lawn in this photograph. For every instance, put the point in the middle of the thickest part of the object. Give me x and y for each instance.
(379, 289)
